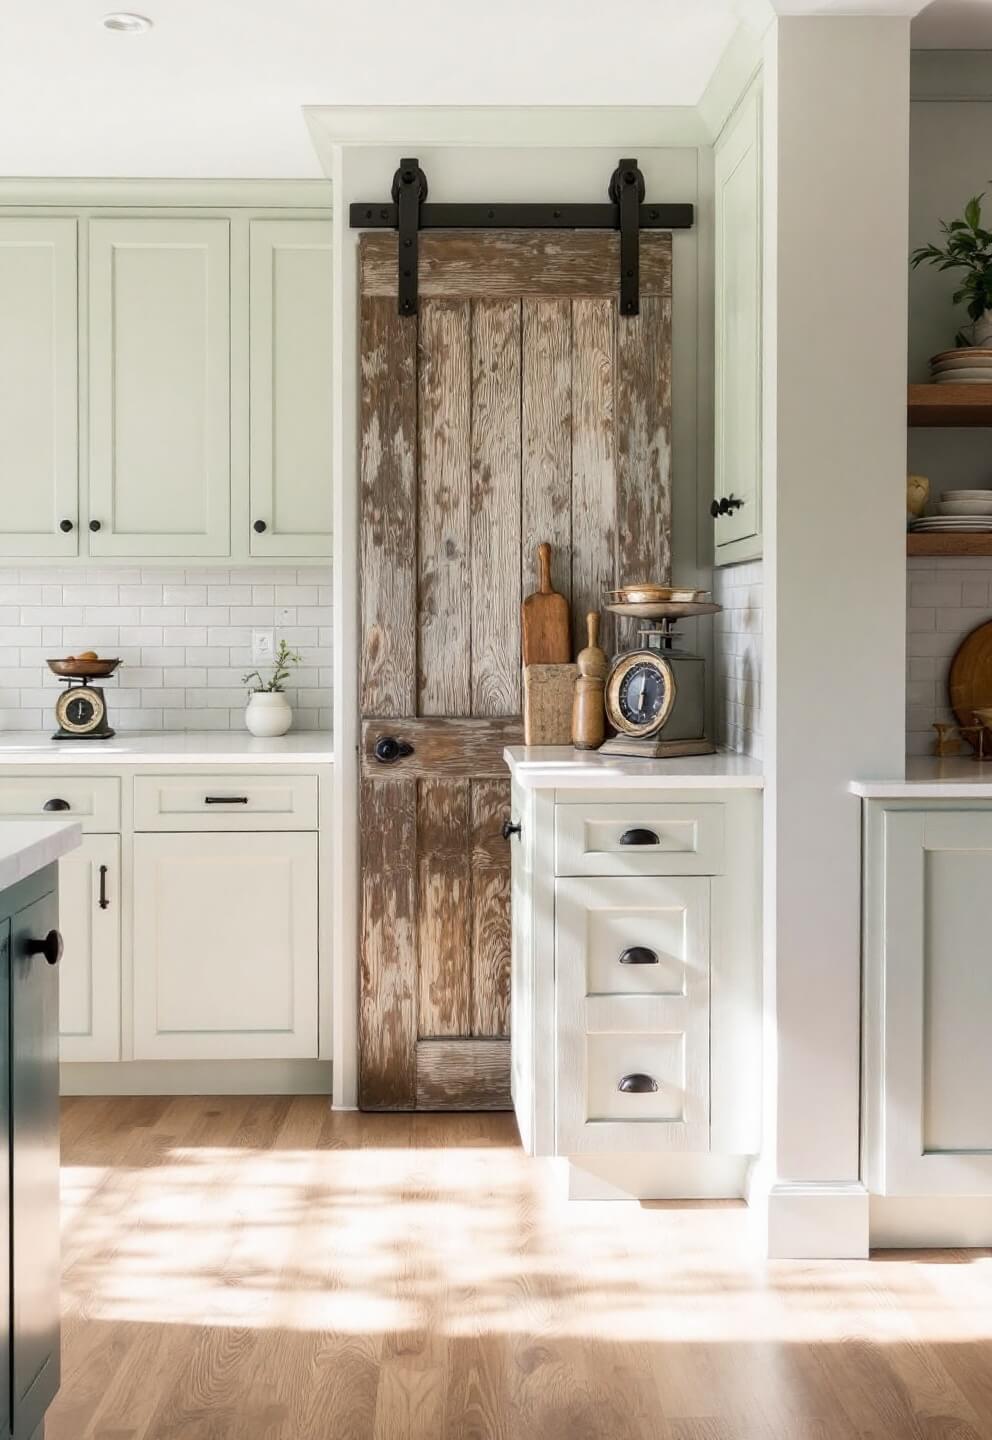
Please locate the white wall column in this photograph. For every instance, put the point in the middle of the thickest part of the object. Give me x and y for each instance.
(836, 167)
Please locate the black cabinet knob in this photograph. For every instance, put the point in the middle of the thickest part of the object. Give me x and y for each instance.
(95, 525)
(65, 526)
(715, 508)
(638, 1084)
(388, 749)
(638, 836)
(509, 828)
(638, 955)
(260, 527)
(50, 947)
(56, 804)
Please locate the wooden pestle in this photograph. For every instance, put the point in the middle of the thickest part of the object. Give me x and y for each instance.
(588, 711)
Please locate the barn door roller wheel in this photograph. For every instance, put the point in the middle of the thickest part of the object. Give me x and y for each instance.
(627, 192)
(409, 192)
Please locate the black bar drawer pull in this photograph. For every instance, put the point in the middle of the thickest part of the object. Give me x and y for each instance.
(638, 1084)
(639, 836)
(638, 955)
(225, 799)
(104, 902)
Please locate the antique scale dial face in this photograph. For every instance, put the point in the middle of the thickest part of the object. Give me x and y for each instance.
(80, 710)
(640, 693)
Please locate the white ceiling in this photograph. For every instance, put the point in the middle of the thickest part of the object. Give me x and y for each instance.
(954, 25)
(217, 87)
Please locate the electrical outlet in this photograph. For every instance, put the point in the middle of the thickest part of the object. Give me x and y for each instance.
(286, 615)
(263, 647)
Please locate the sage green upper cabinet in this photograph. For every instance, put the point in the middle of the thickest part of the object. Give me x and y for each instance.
(737, 460)
(38, 387)
(290, 387)
(160, 387)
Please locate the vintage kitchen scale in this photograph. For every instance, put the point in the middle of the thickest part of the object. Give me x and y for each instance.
(655, 694)
(81, 709)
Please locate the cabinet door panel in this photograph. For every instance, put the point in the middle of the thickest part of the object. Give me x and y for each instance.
(5, 1122)
(38, 428)
(89, 974)
(34, 1088)
(290, 358)
(936, 999)
(160, 387)
(225, 946)
(737, 460)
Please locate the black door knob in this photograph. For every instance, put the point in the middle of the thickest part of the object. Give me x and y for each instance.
(94, 525)
(638, 836)
(638, 1084)
(509, 828)
(715, 509)
(259, 527)
(50, 947)
(388, 749)
(65, 526)
(56, 804)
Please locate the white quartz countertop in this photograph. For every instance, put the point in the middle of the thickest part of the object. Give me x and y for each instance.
(559, 767)
(951, 777)
(206, 747)
(30, 845)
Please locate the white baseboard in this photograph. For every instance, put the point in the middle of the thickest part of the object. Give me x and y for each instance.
(197, 1077)
(931, 1222)
(656, 1177)
(810, 1222)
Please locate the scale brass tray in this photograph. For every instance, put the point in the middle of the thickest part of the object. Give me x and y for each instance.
(666, 609)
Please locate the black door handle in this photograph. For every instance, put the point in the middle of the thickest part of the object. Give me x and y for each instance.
(56, 804)
(509, 828)
(388, 749)
(104, 902)
(50, 947)
(638, 955)
(638, 1084)
(726, 505)
(639, 836)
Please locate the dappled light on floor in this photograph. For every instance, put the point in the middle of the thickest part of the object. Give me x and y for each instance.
(267, 1258)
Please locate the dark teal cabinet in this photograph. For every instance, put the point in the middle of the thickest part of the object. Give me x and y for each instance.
(29, 1116)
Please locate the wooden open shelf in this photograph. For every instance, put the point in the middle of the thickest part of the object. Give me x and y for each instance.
(949, 544)
(950, 405)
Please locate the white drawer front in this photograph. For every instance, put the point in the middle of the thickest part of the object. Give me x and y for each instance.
(632, 1030)
(225, 802)
(94, 804)
(652, 839)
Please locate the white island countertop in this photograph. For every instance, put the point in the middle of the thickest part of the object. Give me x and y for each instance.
(929, 777)
(192, 747)
(27, 846)
(559, 767)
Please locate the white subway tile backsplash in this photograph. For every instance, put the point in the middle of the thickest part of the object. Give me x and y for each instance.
(737, 637)
(947, 598)
(184, 637)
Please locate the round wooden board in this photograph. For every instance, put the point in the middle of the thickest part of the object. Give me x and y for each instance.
(969, 682)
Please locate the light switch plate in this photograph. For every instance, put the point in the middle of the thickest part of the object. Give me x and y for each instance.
(263, 647)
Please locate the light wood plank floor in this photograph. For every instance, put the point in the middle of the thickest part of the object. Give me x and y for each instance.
(266, 1270)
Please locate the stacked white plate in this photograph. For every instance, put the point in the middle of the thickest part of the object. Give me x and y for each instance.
(959, 511)
(969, 366)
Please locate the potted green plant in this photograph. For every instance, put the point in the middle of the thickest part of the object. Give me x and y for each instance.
(967, 247)
(268, 712)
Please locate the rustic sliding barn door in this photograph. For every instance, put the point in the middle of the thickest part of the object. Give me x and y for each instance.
(516, 407)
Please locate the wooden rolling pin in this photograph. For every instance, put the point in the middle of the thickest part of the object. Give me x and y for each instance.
(544, 619)
(588, 709)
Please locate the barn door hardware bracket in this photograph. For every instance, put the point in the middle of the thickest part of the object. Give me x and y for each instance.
(625, 210)
(409, 193)
(627, 193)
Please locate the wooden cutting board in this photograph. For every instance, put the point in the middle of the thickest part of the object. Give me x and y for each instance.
(545, 627)
(548, 694)
(969, 681)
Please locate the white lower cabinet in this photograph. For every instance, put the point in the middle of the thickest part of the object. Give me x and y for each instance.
(928, 999)
(225, 946)
(636, 984)
(90, 970)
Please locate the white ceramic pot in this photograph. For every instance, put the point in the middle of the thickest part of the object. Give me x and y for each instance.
(981, 330)
(268, 713)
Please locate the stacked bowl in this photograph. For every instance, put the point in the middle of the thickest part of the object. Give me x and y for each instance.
(958, 512)
(969, 366)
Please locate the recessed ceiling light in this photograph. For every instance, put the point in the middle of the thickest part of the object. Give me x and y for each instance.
(126, 23)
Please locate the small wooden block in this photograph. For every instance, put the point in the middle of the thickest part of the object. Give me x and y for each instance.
(548, 691)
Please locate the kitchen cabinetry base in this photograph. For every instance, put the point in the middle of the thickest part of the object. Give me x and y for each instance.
(199, 1077)
(809, 1222)
(931, 1222)
(657, 1177)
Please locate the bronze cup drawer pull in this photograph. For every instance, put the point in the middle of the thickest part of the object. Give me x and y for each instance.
(56, 804)
(638, 955)
(225, 799)
(638, 1084)
(639, 836)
